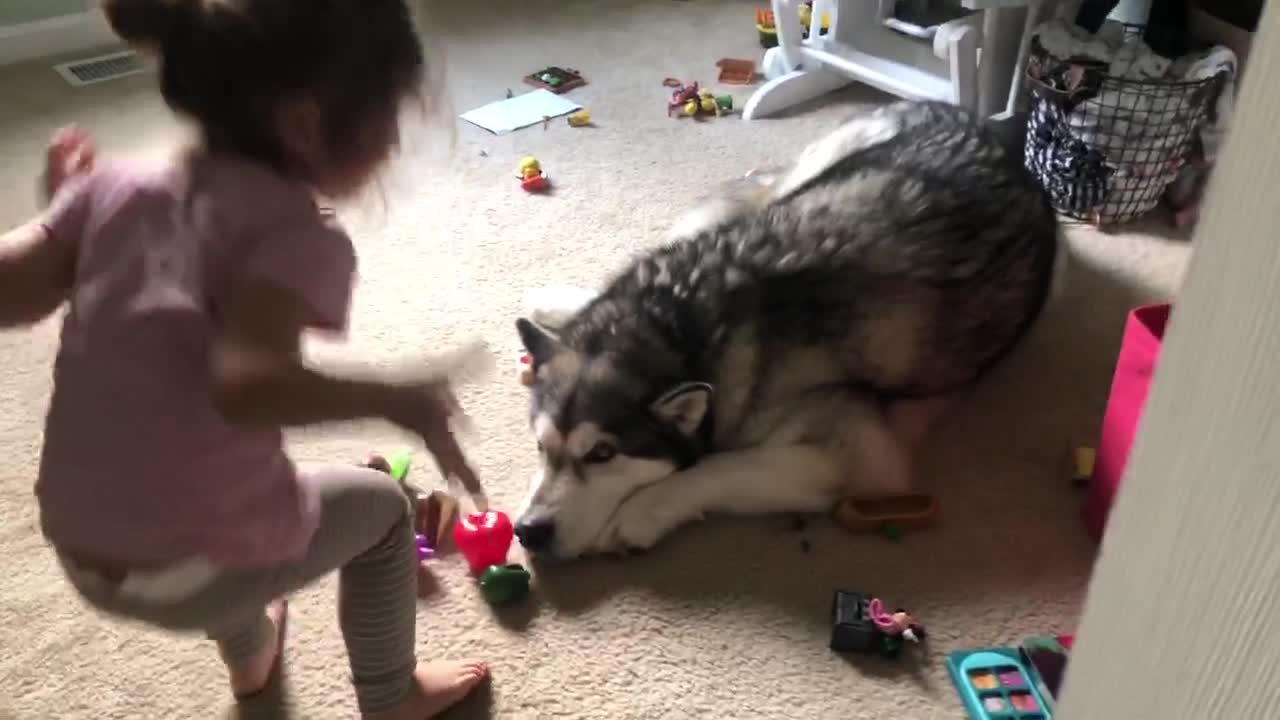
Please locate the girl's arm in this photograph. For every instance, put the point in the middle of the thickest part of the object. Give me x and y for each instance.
(259, 378)
(36, 272)
(37, 264)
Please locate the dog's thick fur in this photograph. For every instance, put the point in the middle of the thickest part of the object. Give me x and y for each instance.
(760, 361)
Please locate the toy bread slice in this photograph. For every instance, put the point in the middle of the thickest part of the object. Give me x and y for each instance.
(904, 511)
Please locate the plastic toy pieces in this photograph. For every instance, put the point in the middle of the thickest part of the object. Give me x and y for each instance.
(736, 72)
(767, 29)
(484, 539)
(889, 515)
(851, 630)
(691, 101)
(582, 118)
(524, 366)
(398, 465)
(861, 624)
(433, 515)
(996, 684)
(1082, 461)
(530, 175)
(425, 551)
(556, 79)
(501, 584)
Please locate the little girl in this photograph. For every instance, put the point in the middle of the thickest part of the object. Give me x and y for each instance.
(163, 483)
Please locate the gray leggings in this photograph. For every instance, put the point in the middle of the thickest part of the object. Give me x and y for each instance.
(366, 534)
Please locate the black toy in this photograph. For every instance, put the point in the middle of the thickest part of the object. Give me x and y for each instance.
(861, 624)
(851, 627)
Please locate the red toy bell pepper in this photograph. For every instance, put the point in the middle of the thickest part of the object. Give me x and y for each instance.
(484, 539)
(536, 183)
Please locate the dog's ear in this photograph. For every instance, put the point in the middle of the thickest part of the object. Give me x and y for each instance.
(684, 406)
(541, 344)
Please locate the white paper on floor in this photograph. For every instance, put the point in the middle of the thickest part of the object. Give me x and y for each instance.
(520, 111)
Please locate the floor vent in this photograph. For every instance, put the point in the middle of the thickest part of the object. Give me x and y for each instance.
(88, 71)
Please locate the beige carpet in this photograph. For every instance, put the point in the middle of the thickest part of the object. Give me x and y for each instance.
(726, 620)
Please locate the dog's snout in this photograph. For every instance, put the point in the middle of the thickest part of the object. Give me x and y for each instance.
(536, 536)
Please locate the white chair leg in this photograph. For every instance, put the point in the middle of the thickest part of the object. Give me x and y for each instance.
(957, 42)
(790, 90)
(962, 54)
(786, 18)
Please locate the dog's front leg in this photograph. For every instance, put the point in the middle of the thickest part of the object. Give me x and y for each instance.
(790, 478)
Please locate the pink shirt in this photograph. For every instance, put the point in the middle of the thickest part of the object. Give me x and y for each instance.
(138, 466)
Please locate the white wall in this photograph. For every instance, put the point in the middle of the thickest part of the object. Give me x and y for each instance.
(19, 12)
(32, 29)
(1183, 610)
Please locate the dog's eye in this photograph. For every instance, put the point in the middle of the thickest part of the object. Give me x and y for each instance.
(602, 452)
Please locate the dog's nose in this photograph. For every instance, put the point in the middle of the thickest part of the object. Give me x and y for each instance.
(536, 537)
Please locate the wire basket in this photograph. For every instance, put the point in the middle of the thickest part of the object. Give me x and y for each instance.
(1105, 148)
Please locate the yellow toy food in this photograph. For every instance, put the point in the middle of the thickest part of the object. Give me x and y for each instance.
(529, 168)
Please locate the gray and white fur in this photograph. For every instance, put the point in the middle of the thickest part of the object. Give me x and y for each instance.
(793, 341)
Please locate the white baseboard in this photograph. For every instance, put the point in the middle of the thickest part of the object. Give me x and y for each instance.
(55, 36)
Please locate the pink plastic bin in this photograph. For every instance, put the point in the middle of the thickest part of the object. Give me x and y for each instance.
(1136, 363)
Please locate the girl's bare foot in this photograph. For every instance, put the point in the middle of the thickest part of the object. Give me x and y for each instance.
(252, 676)
(436, 687)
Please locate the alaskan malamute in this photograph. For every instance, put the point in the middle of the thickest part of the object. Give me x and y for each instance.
(768, 358)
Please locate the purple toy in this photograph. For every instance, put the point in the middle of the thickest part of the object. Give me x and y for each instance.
(424, 549)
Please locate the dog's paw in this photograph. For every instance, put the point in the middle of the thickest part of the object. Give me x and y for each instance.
(644, 519)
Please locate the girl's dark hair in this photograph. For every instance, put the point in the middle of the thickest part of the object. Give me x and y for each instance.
(228, 64)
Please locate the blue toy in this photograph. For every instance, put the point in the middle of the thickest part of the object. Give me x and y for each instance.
(995, 684)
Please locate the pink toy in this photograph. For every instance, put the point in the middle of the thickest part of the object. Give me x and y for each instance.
(1139, 351)
(484, 539)
(896, 623)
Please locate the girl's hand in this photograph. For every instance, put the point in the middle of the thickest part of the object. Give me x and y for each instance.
(71, 152)
(434, 414)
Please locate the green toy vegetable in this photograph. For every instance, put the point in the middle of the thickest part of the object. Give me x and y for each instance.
(501, 584)
(399, 464)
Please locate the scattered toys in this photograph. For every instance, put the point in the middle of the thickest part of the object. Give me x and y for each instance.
(996, 683)
(1046, 656)
(767, 28)
(894, 628)
(425, 551)
(851, 630)
(891, 531)
(484, 539)
(433, 516)
(556, 79)
(806, 19)
(693, 101)
(888, 515)
(502, 584)
(736, 72)
(398, 466)
(681, 96)
(524, 365)
(432, 512)
(581, 118)
(860, 624)
(530, 175)
(1083, 460)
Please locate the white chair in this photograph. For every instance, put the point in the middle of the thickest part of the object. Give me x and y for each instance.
(975, 61)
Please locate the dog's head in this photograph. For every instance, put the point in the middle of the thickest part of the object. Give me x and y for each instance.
(604, 429)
